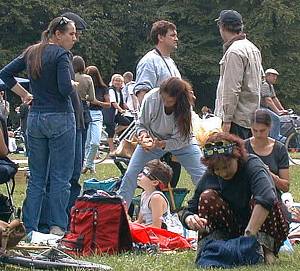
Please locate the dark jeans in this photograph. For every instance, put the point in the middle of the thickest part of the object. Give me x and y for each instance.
(240, 131)
(78, 162)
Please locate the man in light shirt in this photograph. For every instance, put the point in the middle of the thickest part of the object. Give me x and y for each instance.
(238, 92)
(157, 65)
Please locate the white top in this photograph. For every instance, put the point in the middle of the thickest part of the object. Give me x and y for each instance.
(113, 98)
(145, 210)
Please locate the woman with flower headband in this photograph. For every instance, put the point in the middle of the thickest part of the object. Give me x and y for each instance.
(236, 197)
(51, 121)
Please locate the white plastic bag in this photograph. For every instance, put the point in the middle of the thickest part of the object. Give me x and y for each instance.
(173, 223)
(203, 128)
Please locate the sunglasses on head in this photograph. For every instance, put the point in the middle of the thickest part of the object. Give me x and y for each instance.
(220, 147)
(63, 21)
(146, 172)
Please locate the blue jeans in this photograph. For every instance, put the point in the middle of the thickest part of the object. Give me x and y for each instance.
(51, 137)
(93, 137)
(275, 127)
(189, 157)
(74, 189)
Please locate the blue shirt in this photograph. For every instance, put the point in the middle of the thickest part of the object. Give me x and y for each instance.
(52, 89)
(152, 70)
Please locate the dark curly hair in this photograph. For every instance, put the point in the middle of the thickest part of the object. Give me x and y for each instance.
(239, 151)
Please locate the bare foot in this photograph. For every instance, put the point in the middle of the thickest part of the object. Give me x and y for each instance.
(269, 256)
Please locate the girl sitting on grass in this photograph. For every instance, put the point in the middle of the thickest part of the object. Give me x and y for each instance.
(154, 204)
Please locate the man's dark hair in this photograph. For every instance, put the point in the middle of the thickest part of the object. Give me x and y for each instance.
(234, 28)
(160, 28)
(231, 20)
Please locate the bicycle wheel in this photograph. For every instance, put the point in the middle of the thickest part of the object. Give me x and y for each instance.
(57, 263)
(292, 145)
(102, 153)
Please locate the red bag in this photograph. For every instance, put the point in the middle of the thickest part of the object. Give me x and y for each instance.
(166, 240)
(98, 224)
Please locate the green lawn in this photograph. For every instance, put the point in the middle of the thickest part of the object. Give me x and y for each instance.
(172, 261)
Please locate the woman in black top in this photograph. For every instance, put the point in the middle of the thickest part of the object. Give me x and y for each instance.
(236, 197)
(272, 152)
(50, 123)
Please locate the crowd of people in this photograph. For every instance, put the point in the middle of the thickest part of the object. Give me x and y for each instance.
(237, 183)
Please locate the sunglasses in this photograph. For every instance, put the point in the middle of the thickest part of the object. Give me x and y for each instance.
(63, 21)
(146, 172)
(220, 147)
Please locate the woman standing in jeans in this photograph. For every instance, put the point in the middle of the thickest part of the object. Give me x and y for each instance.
(86, 91)
(95, 126)
(51, 122)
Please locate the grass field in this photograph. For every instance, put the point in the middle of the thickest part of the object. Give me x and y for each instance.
(176, 260)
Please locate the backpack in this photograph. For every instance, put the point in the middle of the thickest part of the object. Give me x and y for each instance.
(98, 225)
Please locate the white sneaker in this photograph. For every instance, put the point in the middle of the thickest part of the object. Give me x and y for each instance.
(57, 231)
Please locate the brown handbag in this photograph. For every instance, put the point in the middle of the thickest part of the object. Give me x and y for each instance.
(11, 233)
(126, 147)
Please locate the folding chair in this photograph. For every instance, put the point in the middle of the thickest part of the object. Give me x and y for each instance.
(8, 170)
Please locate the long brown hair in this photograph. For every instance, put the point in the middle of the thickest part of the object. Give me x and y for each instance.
(78, 64)
(180, 89)
(34, 52)
(96, 76)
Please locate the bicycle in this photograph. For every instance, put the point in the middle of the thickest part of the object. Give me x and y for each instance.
(103, 149)
(292, 134)
(51, 258)
(13, 253)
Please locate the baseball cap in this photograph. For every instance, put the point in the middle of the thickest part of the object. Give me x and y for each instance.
(80, 24)
(230, 17)
(273, 71)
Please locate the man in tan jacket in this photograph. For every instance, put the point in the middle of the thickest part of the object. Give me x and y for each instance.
(238, 92)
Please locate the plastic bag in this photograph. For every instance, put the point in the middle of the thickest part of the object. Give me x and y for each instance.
(203, 128)
(173, 223)
(166, 240)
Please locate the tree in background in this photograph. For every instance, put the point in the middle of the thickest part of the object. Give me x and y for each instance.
(117, 36)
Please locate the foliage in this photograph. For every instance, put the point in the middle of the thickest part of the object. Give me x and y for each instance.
(117, 35)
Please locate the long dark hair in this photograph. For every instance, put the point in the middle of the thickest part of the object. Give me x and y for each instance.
(180, 89)
(34, 52)
(96, 76)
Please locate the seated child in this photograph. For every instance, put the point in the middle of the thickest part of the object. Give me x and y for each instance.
(154, 205)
